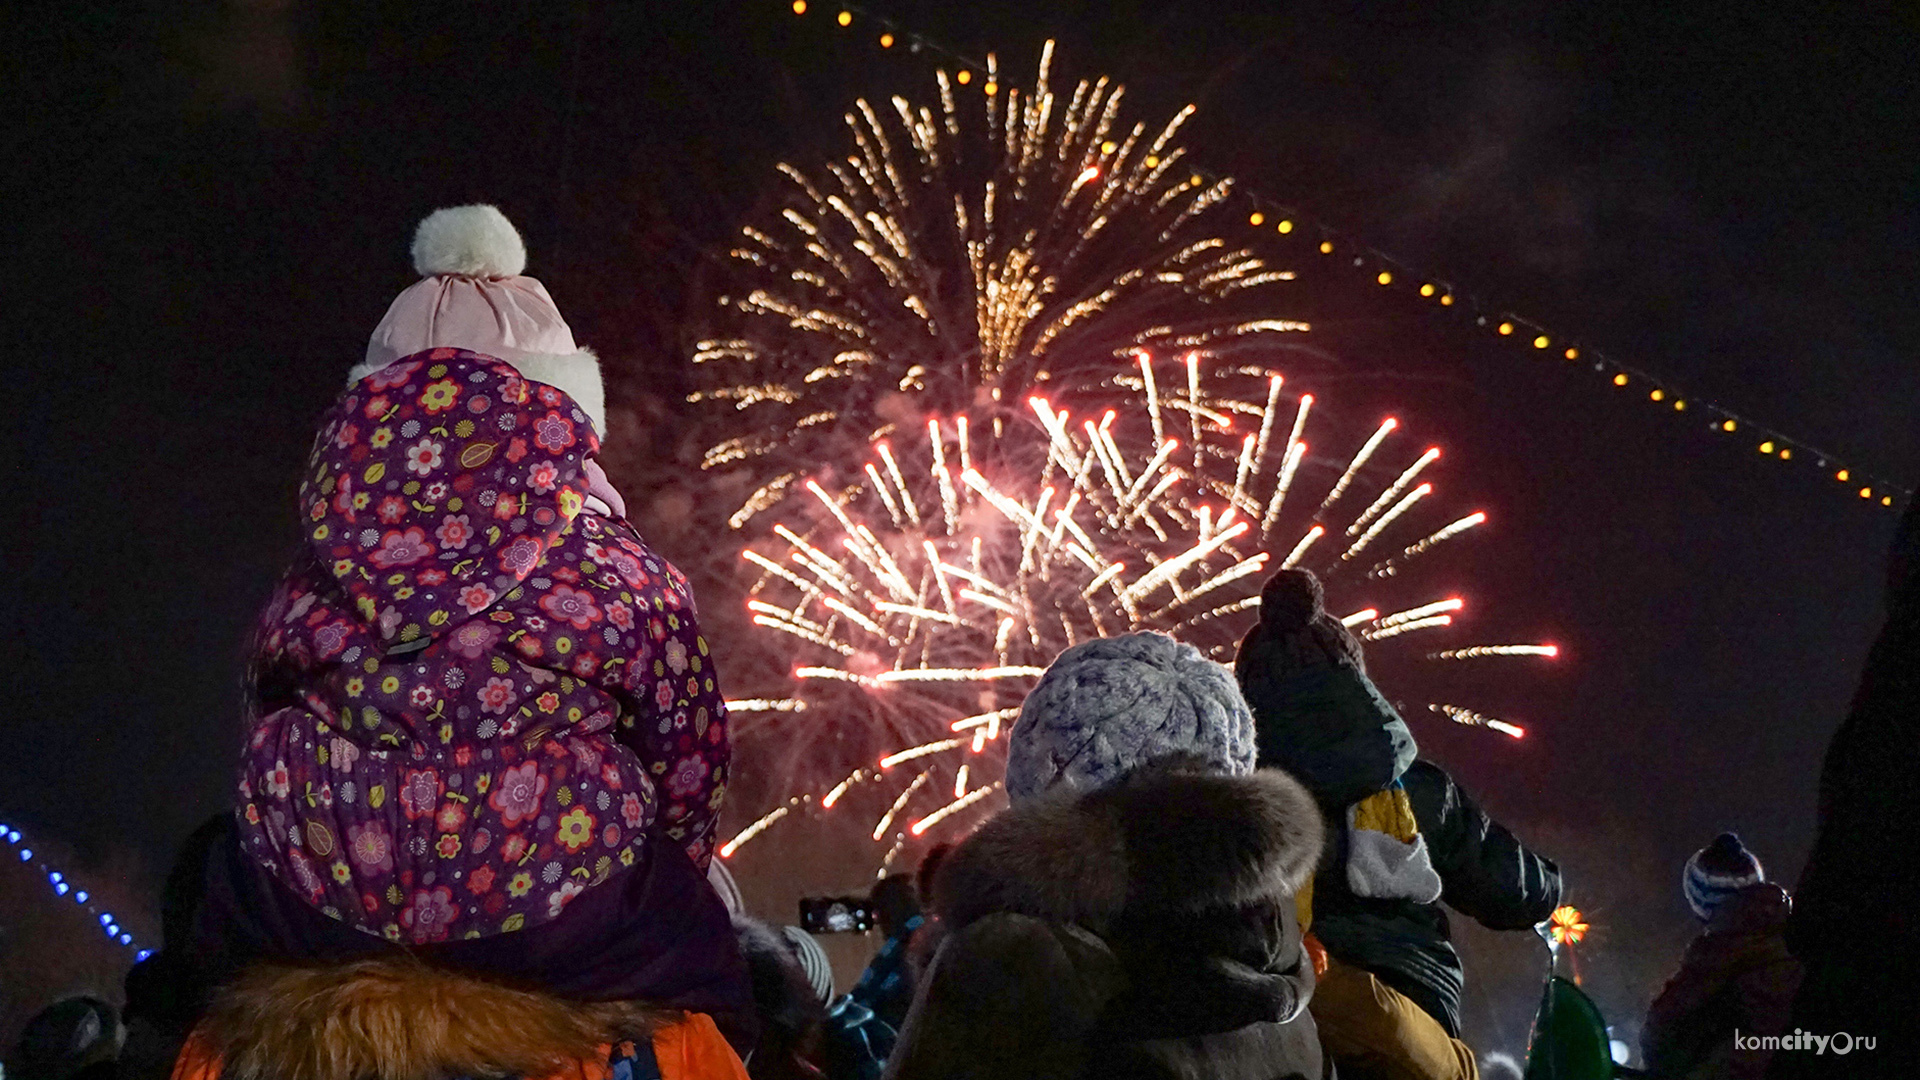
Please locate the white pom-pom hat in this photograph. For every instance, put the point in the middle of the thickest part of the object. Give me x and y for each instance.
(472, 296)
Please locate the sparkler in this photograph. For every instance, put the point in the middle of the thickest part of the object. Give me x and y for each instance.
(1568, 926)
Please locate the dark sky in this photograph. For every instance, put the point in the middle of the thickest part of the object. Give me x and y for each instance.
(207, 205)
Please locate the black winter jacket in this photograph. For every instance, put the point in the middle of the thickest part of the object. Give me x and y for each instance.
(1485, 873)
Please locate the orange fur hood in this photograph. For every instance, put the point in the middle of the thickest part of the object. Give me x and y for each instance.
(398, 1019)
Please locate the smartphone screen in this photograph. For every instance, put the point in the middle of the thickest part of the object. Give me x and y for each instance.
(835, 915)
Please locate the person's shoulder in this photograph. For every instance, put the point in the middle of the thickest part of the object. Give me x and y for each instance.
(1166, 837)
(1761, 908)
(1425, 774)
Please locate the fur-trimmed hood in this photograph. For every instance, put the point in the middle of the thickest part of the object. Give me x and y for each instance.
(1142, 929)
(1168, 839)
(398, 1019)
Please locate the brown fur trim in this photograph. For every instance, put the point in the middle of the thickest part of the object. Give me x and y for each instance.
(398, 1019)
(1161, 840)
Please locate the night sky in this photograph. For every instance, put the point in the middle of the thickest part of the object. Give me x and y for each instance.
(207, 210)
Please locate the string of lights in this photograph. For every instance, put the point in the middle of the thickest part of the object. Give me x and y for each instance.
(68, 890)
(1288, 224)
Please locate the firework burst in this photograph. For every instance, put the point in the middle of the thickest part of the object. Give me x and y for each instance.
(924, 598)
(992, 384)
(964, 253)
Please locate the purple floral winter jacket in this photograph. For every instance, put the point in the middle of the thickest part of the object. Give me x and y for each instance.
(471, 699)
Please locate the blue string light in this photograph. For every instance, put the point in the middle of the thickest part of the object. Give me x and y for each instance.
(62, 887)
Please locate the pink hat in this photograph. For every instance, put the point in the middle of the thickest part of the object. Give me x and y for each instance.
(472, 296)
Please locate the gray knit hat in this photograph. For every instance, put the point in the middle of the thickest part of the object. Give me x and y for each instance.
(1108, 706)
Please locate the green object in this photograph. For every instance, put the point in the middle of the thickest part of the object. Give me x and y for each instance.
(1569, 1039)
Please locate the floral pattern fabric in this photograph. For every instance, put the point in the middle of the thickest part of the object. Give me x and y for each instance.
(472, 699)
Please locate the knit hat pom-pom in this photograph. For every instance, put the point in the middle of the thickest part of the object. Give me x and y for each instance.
(1717, 871)
(468, 241)
(1291, 600)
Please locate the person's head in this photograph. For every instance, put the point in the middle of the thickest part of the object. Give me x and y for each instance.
(790, 1010)
(1716, 872)
(929, 866)
(813, 960)
(894, 900)
(1108, 706)
(471, 295)
(1320, 717)
(1293, 605)
(66, 1039)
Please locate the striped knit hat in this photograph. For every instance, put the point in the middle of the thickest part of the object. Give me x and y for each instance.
(813, 961)
(1717, 871)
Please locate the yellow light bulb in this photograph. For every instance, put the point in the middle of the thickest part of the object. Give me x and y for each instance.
(1285, 226)
(1256, 218)
(1573, 354)
(1447, 300)
(1767, 447)
(1620, 379)
(1109, 146)
(1152, 160)
(1326, 247)
(846, 18)
(1786, 454)
(1385, 278)
(1426, 290)
(1866, 493)
(1506, 328)
(1196, 180)
(799, 7)
(964, 77)
(1842, 476)
(1679, 406)
(886, 41)
(1728, 426)
(1658, 395)
(991, 88)
(1886, 500)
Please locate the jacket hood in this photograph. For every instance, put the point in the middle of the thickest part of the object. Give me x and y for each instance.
(1165, 840)
(1148, 914)
(1319, 717)
(435, 486)
(397, 1019)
